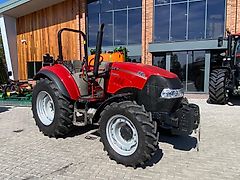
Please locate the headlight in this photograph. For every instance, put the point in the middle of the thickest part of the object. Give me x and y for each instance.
(171, 93)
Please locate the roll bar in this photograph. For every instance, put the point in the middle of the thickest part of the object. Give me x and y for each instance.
(60, 57)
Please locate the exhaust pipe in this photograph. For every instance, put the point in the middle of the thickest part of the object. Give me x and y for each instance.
(98, 50)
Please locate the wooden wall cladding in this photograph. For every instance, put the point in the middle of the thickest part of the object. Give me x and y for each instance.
(37, 34)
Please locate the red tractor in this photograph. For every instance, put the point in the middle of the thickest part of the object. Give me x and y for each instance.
(129, 101)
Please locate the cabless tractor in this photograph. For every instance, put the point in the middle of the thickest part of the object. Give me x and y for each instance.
(128, 101)
(225, 74)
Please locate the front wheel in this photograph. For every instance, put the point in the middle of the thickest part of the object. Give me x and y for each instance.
(128, 133)
(51, 110)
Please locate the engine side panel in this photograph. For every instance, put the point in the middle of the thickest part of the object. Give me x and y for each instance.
(65, 77)
(133, 75)
(121, 79)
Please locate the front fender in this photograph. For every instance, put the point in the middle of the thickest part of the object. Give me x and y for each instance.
(115, 98)
(62, 78)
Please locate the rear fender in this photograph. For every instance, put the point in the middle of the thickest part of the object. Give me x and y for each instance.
(62, 78)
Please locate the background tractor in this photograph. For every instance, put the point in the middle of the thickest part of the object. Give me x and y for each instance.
(225, 74)
(119, 54)
(128, 101)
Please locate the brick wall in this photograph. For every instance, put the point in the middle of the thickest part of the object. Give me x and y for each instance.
(233, 16)
(147, 29)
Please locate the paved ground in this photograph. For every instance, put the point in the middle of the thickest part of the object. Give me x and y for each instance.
(27, 154)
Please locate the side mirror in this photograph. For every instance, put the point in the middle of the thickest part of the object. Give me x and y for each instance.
(220, 41)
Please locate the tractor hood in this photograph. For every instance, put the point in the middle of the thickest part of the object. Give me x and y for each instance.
(132, 75)
(143, 70)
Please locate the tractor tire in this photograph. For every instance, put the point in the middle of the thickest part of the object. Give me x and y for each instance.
(52, 112)
(128, 133)
(217, 87)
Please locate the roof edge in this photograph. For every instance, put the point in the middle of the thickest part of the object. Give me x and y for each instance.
(11, 4)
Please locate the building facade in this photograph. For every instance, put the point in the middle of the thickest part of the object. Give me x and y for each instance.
(177, 35)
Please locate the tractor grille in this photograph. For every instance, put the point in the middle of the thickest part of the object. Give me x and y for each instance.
(150, 95)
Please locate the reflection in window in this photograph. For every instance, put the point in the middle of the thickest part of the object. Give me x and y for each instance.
(135, 3)
(134, 26)
(94, 7)
(93, 25)
(136, 59)
(106, 5)
(173, 1)
(162, 1)
(179, 21)
(196, 69)
(189, 19)
(161, 26)
(106, 18)
(122, 19)
(189, 66)
(215, 25)
(120, 28)
(196, 18)
(159, 61)
(120, 4)
(178, 64)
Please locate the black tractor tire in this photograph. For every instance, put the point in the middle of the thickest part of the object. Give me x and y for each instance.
(217, 87)
(145, 128)
(61, 123)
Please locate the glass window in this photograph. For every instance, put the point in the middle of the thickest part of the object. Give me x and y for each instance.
(178, 65)
(161, 25)
(33, 68)
(174, 1)
(30, 70)
(93, 25)
(135, 26)
(196, 28)
(120, 4)
(136, 59)
(162, 1)
(134, 3)
(159, 61)
(106, 5)
(120, 28)
(93, 7)
(122, 19)
(215, 21)
(38, 66)
(106, 18)
(179, 22)
(196, 69)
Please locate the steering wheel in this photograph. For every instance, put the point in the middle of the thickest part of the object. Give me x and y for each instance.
(92, 66)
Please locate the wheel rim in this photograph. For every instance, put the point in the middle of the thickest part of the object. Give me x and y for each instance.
(45, 108)
(122, 135)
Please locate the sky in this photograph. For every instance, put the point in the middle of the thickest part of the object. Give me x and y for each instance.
(2, 1)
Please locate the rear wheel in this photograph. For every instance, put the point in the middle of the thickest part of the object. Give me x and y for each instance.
(128, 133)
(51, 110)
(217, 87)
